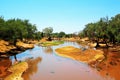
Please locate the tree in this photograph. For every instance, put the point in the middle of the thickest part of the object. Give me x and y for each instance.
(104, 30)
(55, 35)
(14, 29)
(38, 35)
(2, 27)
(81, 34)
(114, 29)
(61, 34)
(48, 31)
(31, 29)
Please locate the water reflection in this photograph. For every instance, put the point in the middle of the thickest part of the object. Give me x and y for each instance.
(33, 67)
(15, 58)
(5, 63)
(48, 50)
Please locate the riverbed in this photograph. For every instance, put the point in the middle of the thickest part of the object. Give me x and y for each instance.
(45, 64)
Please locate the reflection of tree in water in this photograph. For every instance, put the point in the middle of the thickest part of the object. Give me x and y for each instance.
(48, 50)
(5, 63)
(33, 68)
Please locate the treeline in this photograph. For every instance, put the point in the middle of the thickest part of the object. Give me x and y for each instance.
(14, 29)
(48, 32)
(105, 30)
(18, 29)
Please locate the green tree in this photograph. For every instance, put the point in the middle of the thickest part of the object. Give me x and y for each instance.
(61, 34)
(104, 30)
(114, 29)
(31, 29)
(38, 35)
(48, 31)
(55, 35)
(14, 29)
(2, 27)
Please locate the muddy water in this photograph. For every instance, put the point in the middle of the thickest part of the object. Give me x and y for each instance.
(44, 64)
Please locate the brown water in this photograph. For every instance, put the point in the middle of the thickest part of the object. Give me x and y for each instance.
(44, 64)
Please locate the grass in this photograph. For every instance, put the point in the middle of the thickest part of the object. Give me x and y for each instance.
(51, 43)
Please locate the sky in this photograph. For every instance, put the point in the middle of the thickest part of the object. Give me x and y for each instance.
(63, 15)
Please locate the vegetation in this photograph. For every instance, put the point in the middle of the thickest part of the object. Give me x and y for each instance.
(59, 35)
(105, 30)
(14, 29)
(52, 43)
(48, 31)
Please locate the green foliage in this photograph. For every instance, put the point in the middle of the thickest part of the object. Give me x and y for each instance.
(54, 35)
(14, 29)
(38, 35)
(51, 43)
(47, 31)
(61, 34)
(81, 34)
(105, 29)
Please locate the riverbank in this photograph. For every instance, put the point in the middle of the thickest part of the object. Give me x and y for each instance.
(17, 71)
(6, 47)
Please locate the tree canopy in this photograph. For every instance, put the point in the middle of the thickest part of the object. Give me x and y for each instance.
(47, 31)
(14, 29)
(107, 30)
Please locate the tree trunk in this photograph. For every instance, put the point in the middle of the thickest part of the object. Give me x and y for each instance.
(97, 45)
(14, 42)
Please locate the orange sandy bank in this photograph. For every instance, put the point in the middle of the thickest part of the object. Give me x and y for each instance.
(24, 45)
(17, 71)
(5, 46)
(87, 56)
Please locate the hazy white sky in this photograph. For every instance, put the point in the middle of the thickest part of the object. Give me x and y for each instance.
(63, 15)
